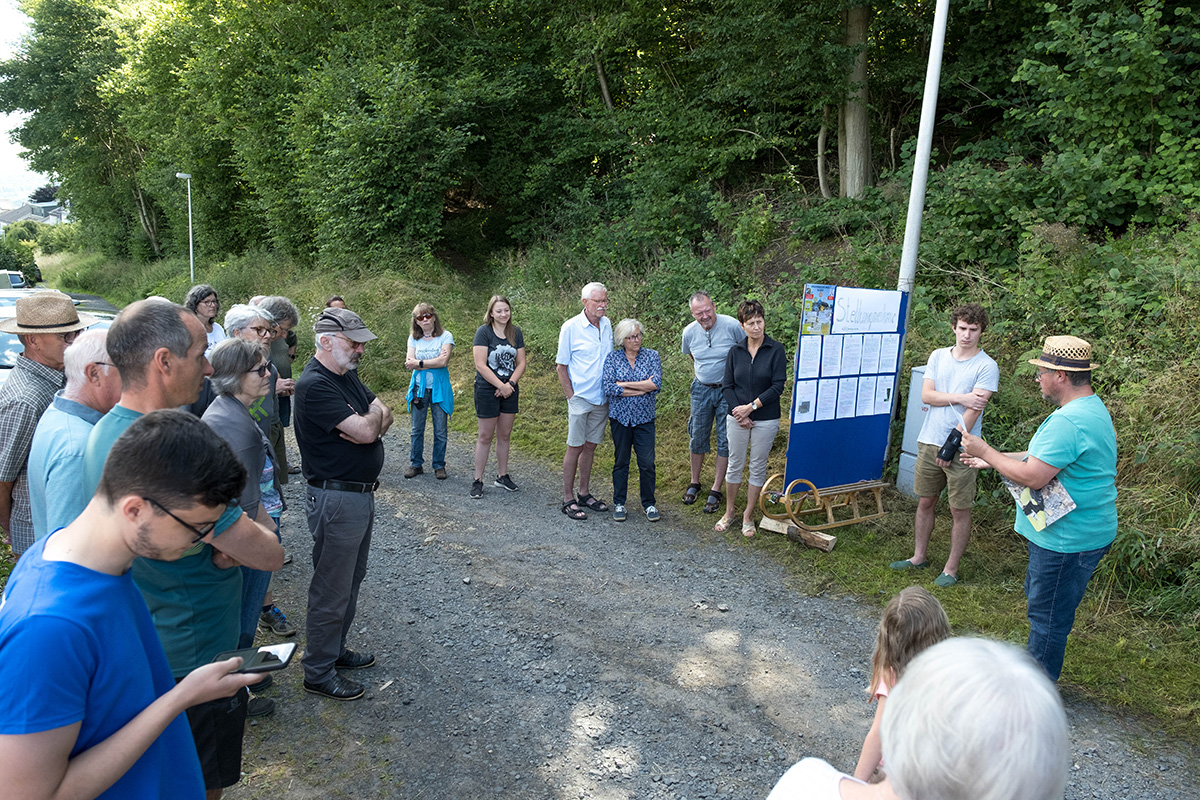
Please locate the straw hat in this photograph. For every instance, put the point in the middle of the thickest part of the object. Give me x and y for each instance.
(46, 312)
(1068, 353)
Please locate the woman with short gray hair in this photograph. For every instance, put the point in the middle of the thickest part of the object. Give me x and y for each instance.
(241, 377)
(631, 379)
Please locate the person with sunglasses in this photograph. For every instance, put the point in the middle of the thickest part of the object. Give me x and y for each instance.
(45, 323)
(91, 705)
(429, 348)
(241, 377)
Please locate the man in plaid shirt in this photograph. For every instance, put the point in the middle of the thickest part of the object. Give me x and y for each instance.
(45, 322)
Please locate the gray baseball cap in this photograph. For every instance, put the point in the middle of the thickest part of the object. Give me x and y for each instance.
(345, 322)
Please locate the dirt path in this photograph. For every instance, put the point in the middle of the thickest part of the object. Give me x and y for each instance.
(523, 655)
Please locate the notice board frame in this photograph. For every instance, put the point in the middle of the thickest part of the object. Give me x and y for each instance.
(834, 452)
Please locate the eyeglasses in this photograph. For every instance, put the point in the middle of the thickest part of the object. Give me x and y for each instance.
(260, 330)
(1042, 372)
(69, 336)
(260, 370)
(212, 301)
(423, 317)
(201, 532)
(104, 363)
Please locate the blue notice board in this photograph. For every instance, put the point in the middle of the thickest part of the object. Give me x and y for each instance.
(847, 360)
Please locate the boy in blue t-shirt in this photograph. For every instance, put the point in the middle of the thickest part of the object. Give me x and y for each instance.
(90, 702)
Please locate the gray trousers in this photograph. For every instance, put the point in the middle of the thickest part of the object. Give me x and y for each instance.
(341, 524)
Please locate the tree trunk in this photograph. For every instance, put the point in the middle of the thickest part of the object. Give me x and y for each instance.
(608, 103)
(147, 219)
(822, 138)
(854, 139)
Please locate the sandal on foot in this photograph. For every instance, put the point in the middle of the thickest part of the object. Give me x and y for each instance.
(592, 504)
(572, 510)
(690, 495)
(713, 503)
(722, 524)
(748, 529)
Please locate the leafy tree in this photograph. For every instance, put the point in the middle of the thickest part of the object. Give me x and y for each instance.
(44, 194)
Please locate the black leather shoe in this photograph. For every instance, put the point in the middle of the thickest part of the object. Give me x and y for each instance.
(260, 707)
(336, 688)
(353, 660)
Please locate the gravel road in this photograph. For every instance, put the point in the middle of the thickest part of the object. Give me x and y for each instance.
(524, 655)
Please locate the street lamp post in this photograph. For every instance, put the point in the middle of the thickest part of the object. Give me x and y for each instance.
(191, 249)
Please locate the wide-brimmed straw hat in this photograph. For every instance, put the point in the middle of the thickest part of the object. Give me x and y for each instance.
(1068, 353)
(46, 312)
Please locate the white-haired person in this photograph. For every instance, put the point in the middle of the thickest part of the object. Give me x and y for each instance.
(972, 719)
(631, 379)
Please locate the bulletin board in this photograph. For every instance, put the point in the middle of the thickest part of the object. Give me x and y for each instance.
(847, 361)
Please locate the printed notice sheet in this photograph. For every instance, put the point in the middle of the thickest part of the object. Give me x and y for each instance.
(870, 353)
(865, 403)
(889, 352)
(852, 354)
(883, 394)
(806, 402)
(847, 397)
(831, 356)
(827, 393)
(808, 363)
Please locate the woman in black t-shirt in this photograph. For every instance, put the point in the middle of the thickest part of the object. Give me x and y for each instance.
(499, 350)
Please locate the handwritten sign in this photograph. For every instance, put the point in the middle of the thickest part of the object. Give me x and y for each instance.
(865, 311)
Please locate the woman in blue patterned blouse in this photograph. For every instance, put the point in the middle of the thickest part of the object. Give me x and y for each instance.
(632, 378)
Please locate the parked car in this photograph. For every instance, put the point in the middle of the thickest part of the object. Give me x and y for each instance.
(16, 279)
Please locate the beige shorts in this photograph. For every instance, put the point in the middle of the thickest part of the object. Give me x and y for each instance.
(957, 479)
(585, 422)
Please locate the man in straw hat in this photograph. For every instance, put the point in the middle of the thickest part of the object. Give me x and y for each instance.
(1076, 446)
(45, 322)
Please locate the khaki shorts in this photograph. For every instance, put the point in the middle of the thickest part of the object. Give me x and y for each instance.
(957, 479)
(585, 422)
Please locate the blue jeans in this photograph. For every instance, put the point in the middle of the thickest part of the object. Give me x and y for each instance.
(1054, 586)
(255, 583)
(641, 439)
(708, 408)
(417, 455)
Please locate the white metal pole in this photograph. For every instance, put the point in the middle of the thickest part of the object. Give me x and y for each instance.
(916, 197)
(191, 248)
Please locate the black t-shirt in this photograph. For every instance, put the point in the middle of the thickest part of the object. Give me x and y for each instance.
(502, 354)
(323, 401)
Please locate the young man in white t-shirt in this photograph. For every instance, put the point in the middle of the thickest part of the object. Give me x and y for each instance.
(959, 381)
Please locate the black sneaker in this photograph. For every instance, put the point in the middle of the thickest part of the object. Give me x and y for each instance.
(260, 707)
(336, 688)
(353, 660)
(506, 483)
(477, 490)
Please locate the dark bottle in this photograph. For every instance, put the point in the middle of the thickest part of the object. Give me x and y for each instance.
(950, 446)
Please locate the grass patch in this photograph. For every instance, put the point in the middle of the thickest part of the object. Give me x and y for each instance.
(1118, 653)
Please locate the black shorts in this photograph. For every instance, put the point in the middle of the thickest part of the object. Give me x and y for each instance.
(488, 406)
(218, 726)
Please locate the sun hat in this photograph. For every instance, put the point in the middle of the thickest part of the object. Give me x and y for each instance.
(1067, 353)
(46, 312)
(343, 321)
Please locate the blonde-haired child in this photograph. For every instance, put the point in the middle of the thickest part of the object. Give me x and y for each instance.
(912, 621)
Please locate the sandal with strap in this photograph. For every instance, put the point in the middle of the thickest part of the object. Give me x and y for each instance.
(748, 530)
(593, 504)
(691, 493)
(713, 503)
(572, 510)
(723, 524)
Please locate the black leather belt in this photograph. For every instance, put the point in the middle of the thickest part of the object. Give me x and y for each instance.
(345, 486)
(712, 385)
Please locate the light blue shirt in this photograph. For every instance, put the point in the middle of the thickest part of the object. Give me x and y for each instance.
(56, 464)
(1080, 441)
(709, 349)
(582, 348)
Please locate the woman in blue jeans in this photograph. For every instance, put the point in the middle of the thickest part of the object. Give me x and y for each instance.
(631, 379)
(429, 348)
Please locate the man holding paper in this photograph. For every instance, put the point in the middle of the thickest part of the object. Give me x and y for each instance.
(1076, 447)
(959, 381)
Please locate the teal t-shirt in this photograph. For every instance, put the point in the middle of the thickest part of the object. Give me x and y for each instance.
(196, 606)
(1078, 439)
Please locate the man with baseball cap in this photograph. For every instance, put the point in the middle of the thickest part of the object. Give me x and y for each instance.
(45, 322)
(339, 423)
(1077, 447)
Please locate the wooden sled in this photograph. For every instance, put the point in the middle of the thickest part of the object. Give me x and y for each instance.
(790, 511)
